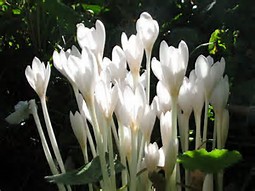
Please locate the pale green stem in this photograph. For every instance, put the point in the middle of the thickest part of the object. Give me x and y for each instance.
(111, 156)
(115, 135)
(218, 116)
(133, 167)
(214, 133)
(171, 181)
(86, 160)
(174, 116)
(205, 122)
(100, 146)
(90, 139)
(220, 180)
(171, 176)
(124, 175)
(185, 143)
(218, 129)
(141, 150)
(148, 70)
(45, 146)
(198, 129)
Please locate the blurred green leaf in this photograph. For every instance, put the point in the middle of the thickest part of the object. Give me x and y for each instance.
(209, 162)
(89, 173)
(16, 11)
(96, 9)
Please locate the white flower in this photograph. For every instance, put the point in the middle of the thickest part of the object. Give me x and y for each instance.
(210, 73)
(130, 108)
(162, 102)
(117, 66)
(133, 49)
(106, 97)
(84, 71)
(38, 76)
(147, 30)
(147, 122)
(219, 97)
(151, 157)
(225, 127)
(93, 39)
(184, 97)
(172, 66)
(60, 61)
(79, 128)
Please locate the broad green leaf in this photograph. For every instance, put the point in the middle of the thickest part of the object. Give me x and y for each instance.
(209, 162)
(89, 173)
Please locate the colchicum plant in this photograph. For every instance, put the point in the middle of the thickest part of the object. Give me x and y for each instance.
(115, 116)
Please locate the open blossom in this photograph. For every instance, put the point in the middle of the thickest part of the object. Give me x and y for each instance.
(84, 71)
(60, 61)
(38, 76)
(172, 66)
(117, 66)
(130, 108)
(93, 39)
(133, 49)
(151, 157)
(147, 29)
(209, 72)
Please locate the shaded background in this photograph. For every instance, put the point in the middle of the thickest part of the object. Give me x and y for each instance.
(37, 27)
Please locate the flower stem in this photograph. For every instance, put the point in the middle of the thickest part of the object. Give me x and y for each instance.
(53, 168)
(100, 144)
(198, 129)
(52, 137)
(148, 75)
(205, 122)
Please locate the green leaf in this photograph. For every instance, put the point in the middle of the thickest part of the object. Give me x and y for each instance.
(209, 162)
(89, 173)
(16, 11)
(96, 9)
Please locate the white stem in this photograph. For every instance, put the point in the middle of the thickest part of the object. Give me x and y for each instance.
(198, 129)
(115, 135)
(205, 122)
(100, 145)
(111, 156)
(133, 166)
(51, 134)
(148, 70)
(53, 168)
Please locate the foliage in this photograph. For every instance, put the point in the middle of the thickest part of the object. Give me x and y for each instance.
(209, 162)
(89, 173)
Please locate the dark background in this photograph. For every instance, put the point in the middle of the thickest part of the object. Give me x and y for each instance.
(35, 28)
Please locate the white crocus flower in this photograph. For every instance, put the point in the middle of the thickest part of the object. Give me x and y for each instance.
(79, 128)
(172, 66)
(210, 73)
(106, 97)
(162, 102)
(60, 61)
(117, 66)
(93, 39)
(147, 122)
(133, 49)
(85, 73)
(130, 108)
(147, 29)
(219, 97)
(151, 157)
(38, 76)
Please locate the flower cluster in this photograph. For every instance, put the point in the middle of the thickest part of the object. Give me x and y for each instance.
(113, 98)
